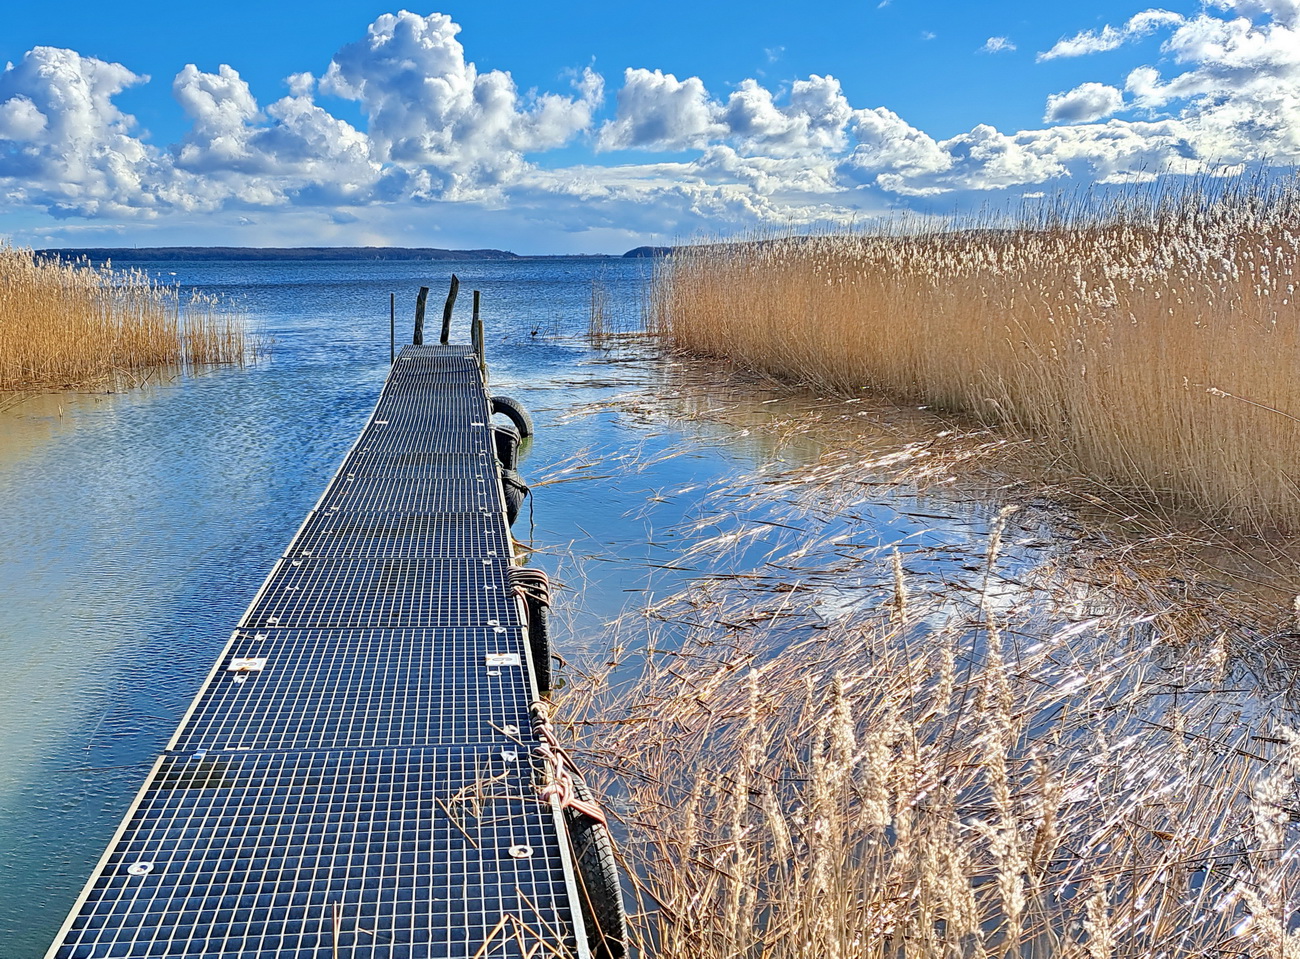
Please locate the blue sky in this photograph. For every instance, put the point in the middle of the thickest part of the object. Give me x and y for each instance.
(599, 127)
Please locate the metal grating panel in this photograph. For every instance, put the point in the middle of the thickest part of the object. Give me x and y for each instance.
(353, 780)
(469, 408)
(414, 361)
(414, 464)
(423, 425)
(419, 536)
(379, 853)
(455, 396)
(425, 434)
(412, 352)
(393, 593)
(446, 358)
(430, 384)
(330, 689)
(394, 493)
(423, 358)
(419, 375)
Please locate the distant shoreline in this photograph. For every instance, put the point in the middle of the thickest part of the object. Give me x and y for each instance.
(99, 254)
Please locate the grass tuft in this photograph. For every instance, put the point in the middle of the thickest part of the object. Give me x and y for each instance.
(976, 784)
(68, 325)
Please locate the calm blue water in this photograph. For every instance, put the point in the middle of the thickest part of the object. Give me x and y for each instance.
(136, 527)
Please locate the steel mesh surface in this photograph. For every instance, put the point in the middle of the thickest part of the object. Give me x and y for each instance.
(374, 853)
(452, 403)
(435, 356)
(426, 435)
(413, 464)
(353, 779)
(328, 689)
(415, 482)
(382, 495)
(439, 377)
(430, 418)
(415, 359)
(407, 535)
(412, 352)
(394, 593)
(413, 368)
(469, 408)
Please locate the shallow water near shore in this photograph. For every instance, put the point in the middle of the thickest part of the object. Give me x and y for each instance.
(138, 525)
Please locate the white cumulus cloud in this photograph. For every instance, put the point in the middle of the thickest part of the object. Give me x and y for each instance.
(437, 134)
(293, 149)
(64, 144)
(300, 84)
(814, 120)
(1233, 82)
(657, 111)
(1111, 38)
(1285, 12)
(427, 106)
(222, 110)
(1086, 103)
(888, 145)
(20, 120)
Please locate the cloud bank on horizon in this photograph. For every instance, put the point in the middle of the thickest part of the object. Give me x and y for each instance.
(664, 156)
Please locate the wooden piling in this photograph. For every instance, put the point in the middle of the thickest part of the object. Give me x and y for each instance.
(476, 337)
(420, 300)
(446, 309)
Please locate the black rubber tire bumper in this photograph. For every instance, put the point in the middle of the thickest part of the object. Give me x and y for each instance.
(515, 490)
(599, 889)
(514, 411)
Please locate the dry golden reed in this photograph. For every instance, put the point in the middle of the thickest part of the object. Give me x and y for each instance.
(1154, 346)
(973, 786)
(837, 739)
(65, 325)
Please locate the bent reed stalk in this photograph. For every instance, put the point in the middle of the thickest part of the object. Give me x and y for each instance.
(1153, 344)
(66, 325)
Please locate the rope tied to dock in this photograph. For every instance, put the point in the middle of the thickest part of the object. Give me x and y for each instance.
(559, 768)
(530, 584)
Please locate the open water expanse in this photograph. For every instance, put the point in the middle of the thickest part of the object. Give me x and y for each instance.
(136, 526)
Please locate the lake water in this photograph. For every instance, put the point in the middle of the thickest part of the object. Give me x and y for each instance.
(137, 526)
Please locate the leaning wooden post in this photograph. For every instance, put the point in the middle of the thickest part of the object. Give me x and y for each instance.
(420, 300)
(446, 309)
(476, 335)
(392, 328)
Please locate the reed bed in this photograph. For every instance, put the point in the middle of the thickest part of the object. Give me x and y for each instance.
(68, 325)
(971, 792)
(987, 742)
(1151, 345)
(951, 772)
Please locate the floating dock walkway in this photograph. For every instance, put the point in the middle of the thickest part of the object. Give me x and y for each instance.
(360, 774)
